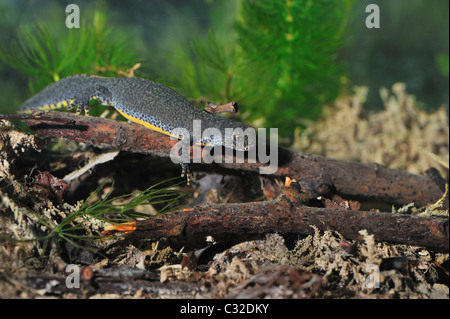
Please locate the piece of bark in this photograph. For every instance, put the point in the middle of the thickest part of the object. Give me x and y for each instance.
(231, 107)
(317, 175)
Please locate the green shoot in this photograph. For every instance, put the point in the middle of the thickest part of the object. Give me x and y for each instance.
(113, 210)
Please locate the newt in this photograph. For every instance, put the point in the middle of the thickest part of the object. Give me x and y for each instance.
(146, 102)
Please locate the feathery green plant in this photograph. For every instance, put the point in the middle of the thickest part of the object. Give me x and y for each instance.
(35, 51)
(280, 62)
(48, 57)
(288, 56)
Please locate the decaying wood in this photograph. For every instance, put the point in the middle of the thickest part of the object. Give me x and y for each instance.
(317, 175)
(287, 215)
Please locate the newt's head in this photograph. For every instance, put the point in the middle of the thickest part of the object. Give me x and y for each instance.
(230, 134)
(240, 139)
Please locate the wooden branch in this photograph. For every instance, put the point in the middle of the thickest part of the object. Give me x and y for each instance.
(97, 131)
(239, 221)
(317, 175)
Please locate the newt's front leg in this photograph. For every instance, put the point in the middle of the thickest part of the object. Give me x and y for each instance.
(184, 159)
(82, 99)
(186, 171)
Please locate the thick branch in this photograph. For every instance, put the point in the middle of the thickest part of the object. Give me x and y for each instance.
(317, 175)
(238, 221)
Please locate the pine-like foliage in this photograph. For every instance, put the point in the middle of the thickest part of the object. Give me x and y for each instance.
(48, 56)
(288, 58)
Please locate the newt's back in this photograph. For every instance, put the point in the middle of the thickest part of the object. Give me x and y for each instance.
(143, 101)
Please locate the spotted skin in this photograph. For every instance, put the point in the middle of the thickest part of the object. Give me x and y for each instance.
(148, 103)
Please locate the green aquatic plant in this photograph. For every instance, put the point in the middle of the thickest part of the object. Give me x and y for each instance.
(289, 57)
(280, 62)
(48, 57)
(35, 52)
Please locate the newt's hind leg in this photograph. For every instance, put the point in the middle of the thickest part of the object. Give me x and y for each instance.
(81, 100)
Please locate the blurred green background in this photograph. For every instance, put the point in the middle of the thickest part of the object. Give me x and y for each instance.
(281, 60)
